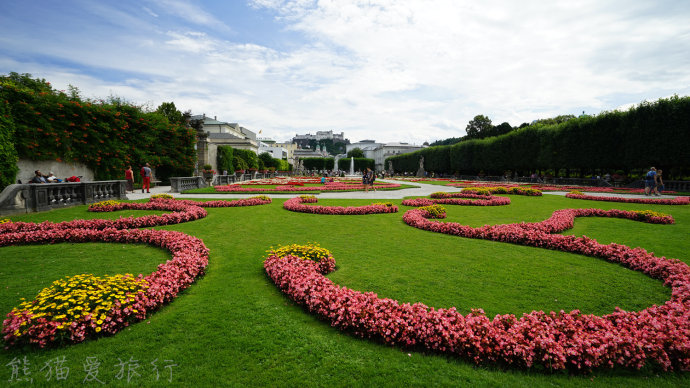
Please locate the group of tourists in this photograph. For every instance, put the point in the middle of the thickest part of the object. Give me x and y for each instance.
(145, 173)
(368, 178)
(39, 177)
(653, 182)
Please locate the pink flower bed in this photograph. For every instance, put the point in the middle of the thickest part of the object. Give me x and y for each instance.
(181, 213)
(550, 187)
(654, 201)
(189, 259)
(297, 205)
(255, 201)
(658, 335)
(283, 186)
(457, 199)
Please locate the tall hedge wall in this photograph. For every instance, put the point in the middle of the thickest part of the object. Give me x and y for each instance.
(650, 134)
(224, 157)
(8, 153)
(244, 159)
(105, 136)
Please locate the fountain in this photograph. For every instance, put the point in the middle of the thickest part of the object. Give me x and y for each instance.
(352, 165)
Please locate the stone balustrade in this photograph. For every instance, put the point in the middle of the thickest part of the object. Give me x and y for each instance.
(26, 198)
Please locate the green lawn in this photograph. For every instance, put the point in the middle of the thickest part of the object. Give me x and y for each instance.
(233, 327)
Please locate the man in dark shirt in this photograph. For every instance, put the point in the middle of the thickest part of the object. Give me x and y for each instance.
(38, 178)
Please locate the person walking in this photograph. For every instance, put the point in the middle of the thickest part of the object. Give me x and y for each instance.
(146, 177)
(129, 176)
(650, 182)
(659, 183)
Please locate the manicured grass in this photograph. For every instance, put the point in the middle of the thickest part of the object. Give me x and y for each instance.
(235, 328)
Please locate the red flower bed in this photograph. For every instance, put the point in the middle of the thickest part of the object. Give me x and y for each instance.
(653, 201)
(457, 199)
(550, 187)
(254, 201)
(329, 186)
(189, 259)
(659, 335)
(181, 213)
(296, 205)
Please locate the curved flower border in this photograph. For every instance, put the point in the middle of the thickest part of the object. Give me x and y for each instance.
(656, 335)
(327, 188)
(189, 259)
(457, 199)
(653, 201)
(296, 205)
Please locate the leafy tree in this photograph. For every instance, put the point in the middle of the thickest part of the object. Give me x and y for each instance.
(501, 129)
(355, 153)
(478, 127)
(174, 116)
(267, 160)
(38, 85)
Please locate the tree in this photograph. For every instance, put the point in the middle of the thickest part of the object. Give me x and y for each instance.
(267, 160)
(502, 129)
(174, 116)
(478, 127)
(355, 153)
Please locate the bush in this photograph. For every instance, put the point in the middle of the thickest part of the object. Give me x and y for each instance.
(106, 136)
(8, 153)
(224, 159)
(244, 159)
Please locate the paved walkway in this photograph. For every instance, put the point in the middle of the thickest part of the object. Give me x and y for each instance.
(423, 190)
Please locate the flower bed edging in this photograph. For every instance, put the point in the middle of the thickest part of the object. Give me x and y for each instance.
(464, 199)
(296, 205)
(658, 335)
(651, 201)
(189, 259)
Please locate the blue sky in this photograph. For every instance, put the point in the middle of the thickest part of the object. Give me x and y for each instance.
(387, 70)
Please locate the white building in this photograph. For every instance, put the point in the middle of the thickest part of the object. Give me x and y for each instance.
(213, 133)
(274, 150)
(380, 151)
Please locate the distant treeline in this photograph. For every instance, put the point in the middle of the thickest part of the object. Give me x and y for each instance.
(650, 134)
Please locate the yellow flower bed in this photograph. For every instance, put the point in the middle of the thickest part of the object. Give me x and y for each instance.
(162, 196)
(69, 299)
(104, 203)
(5, 221)
(650, 213)
(261, 197)
(310, 251)
(435, 211)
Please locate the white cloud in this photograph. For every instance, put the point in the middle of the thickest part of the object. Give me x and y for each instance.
(410, 71)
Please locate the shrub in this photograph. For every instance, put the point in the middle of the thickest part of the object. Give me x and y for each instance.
(8, 153)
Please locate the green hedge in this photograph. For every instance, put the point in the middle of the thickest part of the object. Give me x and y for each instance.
(244, 159)
(8, 153)
(651, 134)
(106, 136)
(224, 159)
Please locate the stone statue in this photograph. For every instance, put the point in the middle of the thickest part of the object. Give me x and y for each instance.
(420, 172)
